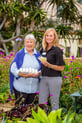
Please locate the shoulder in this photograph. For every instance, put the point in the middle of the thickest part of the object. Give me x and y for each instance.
(58, 50)
(18, 55)
(20, 52)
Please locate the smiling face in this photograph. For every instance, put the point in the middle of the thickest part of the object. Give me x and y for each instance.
(49, 37)
(29, 44)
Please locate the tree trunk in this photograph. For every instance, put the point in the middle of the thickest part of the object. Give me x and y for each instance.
(4, 45)
(5, 48)
(18, 32)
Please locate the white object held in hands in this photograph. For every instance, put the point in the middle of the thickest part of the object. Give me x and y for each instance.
(28, 70)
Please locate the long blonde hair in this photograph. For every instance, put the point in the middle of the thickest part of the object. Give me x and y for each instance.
(55, 42)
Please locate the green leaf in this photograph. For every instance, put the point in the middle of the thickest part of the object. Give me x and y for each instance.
(65, 119)
(21, 122)
(71, 117)
(59, 113)
(58, 121)
(2, 95)
(52, 116)
(30, 120)
(35, 115)
(68, 118)
(9, 121)
(42, 115)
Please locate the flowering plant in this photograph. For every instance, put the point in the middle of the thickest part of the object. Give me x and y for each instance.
(72, 77)
(72, 82)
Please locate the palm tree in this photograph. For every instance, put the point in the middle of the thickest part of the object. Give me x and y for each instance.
(66, 9)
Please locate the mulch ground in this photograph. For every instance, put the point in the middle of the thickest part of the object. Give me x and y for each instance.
(7, 106)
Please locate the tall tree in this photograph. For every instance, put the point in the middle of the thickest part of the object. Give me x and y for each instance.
(18, 17)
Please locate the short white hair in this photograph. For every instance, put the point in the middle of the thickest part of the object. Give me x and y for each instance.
(30, 36)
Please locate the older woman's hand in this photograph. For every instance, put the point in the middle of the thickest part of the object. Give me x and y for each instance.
(36, 75)
(29, 74)
(25, 75)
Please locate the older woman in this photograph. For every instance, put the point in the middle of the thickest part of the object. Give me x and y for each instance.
(25, 85)
(51, 81)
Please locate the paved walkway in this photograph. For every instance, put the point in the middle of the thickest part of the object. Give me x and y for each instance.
(6, 107)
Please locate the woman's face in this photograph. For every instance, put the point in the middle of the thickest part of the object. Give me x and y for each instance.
(29, 44)
(50, 37)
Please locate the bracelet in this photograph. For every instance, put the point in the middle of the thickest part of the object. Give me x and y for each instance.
(52, 67)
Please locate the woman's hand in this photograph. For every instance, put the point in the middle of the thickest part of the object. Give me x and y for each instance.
(29, 74)
(36, 75)
(47, 64)
(25, 75)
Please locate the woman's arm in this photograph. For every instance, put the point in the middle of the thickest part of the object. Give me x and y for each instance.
(14, 69)
(54, 67)
(57, 67)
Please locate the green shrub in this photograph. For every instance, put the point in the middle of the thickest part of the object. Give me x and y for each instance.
(72, 82)
(40, 116)
(5, 62)
(53, 117)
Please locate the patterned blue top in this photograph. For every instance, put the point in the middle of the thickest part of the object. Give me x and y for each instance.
(26, 85)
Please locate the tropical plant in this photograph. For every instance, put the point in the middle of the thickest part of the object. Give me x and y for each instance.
(66, 9)
(41, 117)
(53, 117)
(63, 30)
